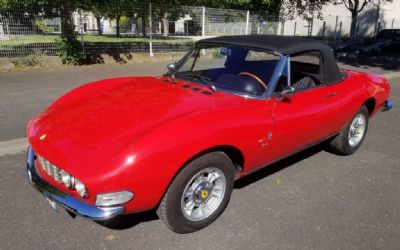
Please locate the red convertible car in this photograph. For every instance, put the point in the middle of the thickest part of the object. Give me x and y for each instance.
(176, 143)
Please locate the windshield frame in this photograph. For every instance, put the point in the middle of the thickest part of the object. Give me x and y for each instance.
(280, 65)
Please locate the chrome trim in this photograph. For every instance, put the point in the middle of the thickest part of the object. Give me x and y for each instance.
(388, 105)
(275, 76)
(67, 201)
(289, 78)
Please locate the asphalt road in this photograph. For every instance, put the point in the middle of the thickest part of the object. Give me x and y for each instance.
(313, 200)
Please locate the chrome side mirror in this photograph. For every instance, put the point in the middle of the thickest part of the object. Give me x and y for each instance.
(171, 67)
(288, 91)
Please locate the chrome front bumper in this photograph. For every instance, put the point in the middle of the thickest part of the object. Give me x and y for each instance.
(65, 200)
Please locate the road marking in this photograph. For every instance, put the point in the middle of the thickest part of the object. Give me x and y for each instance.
(13, 146)
(391, 76)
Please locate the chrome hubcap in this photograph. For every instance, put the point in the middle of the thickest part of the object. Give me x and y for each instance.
(357, 130)
(203, 194)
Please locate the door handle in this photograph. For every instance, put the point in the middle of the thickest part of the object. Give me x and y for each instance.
(330, 95)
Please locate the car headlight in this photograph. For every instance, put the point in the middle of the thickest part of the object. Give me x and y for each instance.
(80, 188)
(67, 179)
(62, 176)
(115, 198)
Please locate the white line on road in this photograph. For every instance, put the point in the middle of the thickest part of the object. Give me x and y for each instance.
(19, 145)
(13, 146)
(391, 76)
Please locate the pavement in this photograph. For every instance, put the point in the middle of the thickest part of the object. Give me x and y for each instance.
(312, 200)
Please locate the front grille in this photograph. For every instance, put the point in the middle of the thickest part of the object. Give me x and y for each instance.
(50, 169)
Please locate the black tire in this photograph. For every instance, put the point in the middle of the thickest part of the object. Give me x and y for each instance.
(340, 143)
(170, 211)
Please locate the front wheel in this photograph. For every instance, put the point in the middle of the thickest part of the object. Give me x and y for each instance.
(351, 137)
(198, 194)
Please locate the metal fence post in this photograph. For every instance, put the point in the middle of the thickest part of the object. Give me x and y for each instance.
(392, 22)
(203, 22)
(295, 26)
(81, 31)
(340, 30)
(151, 31)
(334, 33)
(247, 22)
(283, 29)
(323, 29)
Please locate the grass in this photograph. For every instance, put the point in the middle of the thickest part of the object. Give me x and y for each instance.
(30, 39)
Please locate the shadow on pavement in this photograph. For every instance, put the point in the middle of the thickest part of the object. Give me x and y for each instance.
(387, 61)
(127, 221)
(278, 166)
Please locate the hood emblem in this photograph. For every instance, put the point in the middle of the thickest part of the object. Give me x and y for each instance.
(42, 137)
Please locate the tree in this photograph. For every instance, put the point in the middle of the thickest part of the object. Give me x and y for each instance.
(61, 8)
(266, 9)
(98, 8)
(164, 10)
(119, 8)
(306, 8)
(355, 7)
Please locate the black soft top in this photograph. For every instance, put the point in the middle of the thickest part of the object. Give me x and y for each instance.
(286, 45)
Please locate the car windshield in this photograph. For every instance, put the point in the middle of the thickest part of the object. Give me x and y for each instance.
(236, 70)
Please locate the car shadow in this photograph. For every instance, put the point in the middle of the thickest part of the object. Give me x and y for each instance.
(127, 221)
(123, 222)
(278, 166)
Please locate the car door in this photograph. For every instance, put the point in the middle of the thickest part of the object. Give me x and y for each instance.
(303, 118)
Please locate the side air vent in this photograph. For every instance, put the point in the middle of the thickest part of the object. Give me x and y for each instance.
(195, 89)
(185, 86)
(206, 92)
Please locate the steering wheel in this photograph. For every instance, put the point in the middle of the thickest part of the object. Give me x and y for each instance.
(244, 73)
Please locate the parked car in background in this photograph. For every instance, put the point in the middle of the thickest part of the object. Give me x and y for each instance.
(176, 143)
(386, 40)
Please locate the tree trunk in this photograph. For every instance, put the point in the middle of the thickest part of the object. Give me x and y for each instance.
(144, 24)
(353, 27)
(165, 24)
(117, 19)
(67, 24)
(99, 28)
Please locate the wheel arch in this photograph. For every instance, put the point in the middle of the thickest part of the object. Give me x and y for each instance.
(370, 104)
(232, 152)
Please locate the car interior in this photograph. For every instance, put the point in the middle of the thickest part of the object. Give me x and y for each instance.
(242, 73)
(305, 72)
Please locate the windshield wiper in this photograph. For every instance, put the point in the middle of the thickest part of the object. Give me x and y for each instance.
(204, 79)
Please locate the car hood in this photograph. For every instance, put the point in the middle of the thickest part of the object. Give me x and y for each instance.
(103, 113)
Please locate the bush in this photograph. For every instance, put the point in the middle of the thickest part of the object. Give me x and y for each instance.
(70, 49)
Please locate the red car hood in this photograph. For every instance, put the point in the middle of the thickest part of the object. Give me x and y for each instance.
(106, 112)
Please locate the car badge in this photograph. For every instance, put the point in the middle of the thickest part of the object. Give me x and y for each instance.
(42, 137)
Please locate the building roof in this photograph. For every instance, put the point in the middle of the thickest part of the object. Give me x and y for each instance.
(287, 45)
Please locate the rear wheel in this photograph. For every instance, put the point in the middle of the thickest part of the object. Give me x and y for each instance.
(351, 137)
(198, 194)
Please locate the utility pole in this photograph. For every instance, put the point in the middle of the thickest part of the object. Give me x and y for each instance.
(151, 31)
